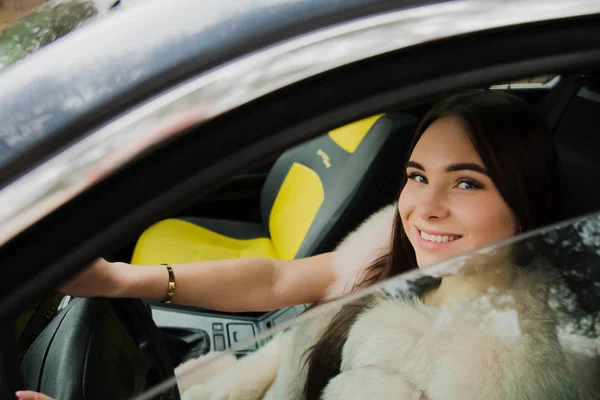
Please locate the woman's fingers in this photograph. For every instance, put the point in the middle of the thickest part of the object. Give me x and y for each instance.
(29, 395)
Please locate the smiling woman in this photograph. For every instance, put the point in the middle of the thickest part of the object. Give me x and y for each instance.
(482, 167)
(450, 204)
(465, 184)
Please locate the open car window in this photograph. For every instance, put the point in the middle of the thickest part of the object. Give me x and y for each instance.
(548, 316)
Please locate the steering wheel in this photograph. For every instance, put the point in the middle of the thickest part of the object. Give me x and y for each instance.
(98, 348)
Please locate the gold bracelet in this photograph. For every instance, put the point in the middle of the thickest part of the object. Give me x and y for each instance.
(171, 287)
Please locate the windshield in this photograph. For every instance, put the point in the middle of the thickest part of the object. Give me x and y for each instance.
(539, 330)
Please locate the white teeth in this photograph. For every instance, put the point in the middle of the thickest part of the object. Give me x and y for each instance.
(438, 238)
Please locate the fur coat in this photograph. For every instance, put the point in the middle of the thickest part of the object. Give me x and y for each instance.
(496, 346)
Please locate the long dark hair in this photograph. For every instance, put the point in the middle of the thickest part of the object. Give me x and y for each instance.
(517, 149)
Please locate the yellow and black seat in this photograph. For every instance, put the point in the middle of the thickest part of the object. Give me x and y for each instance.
(312, 196)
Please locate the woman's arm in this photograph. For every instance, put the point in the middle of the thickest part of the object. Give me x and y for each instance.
(252, 284)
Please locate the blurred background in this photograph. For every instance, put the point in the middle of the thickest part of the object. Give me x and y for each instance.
(13, 9)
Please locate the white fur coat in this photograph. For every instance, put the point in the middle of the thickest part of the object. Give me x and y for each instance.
(492, 347)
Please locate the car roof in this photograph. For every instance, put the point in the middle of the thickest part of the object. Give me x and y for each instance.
(137, 51)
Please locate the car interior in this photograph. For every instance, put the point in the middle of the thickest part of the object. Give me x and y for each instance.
(300, 204)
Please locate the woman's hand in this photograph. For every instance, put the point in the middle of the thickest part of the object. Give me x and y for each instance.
(100, 279)
(29, 395)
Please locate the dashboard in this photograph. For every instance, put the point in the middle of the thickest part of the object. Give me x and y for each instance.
(224, 329)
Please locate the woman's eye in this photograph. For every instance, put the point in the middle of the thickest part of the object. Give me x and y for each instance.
(468, 184)
(417, 177)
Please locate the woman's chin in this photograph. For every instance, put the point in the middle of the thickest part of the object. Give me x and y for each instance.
(429, 260)
(427, 266)
(435, 266)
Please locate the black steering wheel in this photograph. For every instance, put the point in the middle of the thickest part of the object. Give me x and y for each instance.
(98, 349)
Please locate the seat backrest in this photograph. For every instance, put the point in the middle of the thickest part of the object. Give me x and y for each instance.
(319, 190)
(577, 136)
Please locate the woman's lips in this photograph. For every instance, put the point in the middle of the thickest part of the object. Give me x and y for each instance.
(435, 240)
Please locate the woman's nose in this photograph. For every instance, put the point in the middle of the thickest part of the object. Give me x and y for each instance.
(433, 205)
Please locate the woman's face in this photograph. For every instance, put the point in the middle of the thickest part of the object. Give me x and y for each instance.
(449, 204)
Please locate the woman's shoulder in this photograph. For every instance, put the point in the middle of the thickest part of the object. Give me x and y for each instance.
(360, 248)
(385, 329)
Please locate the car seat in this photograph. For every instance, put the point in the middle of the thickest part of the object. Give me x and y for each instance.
(312, 196)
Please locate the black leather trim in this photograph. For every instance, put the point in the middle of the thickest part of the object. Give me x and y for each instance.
(233, 229)
(370, 180)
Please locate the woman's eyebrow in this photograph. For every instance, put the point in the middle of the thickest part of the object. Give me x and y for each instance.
(453, 167)
(467, 166)
(415, 165)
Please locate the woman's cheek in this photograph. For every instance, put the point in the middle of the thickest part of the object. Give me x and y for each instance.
(487, 220)
(404, 204)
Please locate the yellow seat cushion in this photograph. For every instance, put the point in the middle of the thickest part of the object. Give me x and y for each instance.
(297, 203)
(175, 241)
